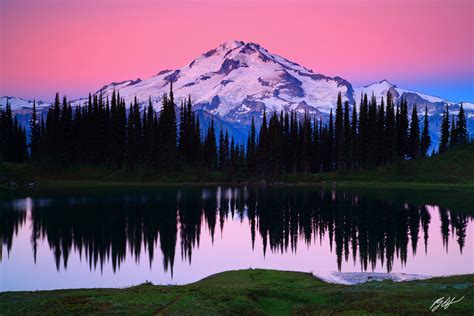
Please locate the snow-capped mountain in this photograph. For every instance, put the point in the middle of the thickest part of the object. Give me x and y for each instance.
(236, 81)
(18, 104)
(434, 104)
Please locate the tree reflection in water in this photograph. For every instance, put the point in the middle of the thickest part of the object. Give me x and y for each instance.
(104, 228)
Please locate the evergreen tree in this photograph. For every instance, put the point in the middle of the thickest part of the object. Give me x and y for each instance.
(363, 133)
(425, 136)
(167, 147)
(13, 147)
(262, 148)
(462, 135)
(149, 132)
(330, 143)
(34, 133)
(372, 133)
(454, 134)
(390, 134)
(222, 151)
(380, 135)
(306, 138)
(339, 133)
(354, 139)
(402, 129)
(210, 147)
(414, 143)
(347, 150)
(251, 150)
(444, 140)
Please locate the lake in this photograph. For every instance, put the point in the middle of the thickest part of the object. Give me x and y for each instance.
(180, 234)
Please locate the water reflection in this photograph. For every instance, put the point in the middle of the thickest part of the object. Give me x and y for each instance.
(103, 229)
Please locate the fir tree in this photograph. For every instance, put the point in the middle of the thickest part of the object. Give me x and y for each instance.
(425, 136)
(210, 147)
(354, 139)
(167, 149)
(390, 134)
(453, 137)
(34, 133)
(339, 133)
(444, 140)
(461, 134)
(330, 144)
(251, 149)
(414, 137)
(347, 151)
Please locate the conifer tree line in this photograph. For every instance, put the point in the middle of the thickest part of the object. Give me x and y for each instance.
(111, 134)
(455, 133)
(13, 147)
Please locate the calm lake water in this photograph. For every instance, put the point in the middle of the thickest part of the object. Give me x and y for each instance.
(176, 235)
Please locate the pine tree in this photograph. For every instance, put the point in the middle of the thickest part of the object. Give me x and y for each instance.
(330, 143)
(444, 140)
(402, 129)
(354, 139)
(305, 145)
(13, 147)
(363, 140)
(262, 148)
(380, 135)
(34, 133)
(293, 146)
(167, 147)
(372, 133)
(251, 149)
(149, 132)
(414, 136)
(454, 134)
(390, 130)
(221, 150)
(461, 134)
(339, 133)
(347, 150)
(425, 136)
(210, 147)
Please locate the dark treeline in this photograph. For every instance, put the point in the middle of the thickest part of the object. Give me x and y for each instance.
(13, 145)
(110, 134)
(106, 228)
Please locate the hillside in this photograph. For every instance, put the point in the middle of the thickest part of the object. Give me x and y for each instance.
(253, 292)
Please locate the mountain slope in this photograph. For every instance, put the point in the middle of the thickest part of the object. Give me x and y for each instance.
(435, 105)
(236, 81)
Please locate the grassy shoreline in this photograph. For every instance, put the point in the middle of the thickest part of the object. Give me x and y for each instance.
(251, 292)
(451, 170)
(87, 176)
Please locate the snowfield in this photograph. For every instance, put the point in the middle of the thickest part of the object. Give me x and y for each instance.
(351, 278)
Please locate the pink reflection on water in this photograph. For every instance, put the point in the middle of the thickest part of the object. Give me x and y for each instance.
(230, 249)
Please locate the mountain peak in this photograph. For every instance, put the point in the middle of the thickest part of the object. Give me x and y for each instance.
(231, 44)
(385, 81)
(382, 83)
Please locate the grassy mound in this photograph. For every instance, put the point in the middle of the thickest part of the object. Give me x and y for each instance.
(256, 292)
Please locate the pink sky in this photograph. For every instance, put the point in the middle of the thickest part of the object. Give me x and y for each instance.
(78, 46)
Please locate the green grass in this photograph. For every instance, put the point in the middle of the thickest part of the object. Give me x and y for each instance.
(453, 169)
(251, 292)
